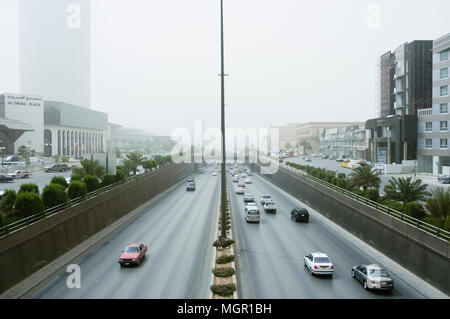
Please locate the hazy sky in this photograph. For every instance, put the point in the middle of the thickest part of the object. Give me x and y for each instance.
(155, 64)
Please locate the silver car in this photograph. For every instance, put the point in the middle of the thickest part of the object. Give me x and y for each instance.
(373, 277)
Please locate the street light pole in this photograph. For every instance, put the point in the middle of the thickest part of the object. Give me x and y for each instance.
(222, 76)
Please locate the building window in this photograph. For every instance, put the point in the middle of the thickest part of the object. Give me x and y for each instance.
(443, 143)
(428, 143)
(444, 73)
(443, 125)
(444, 55)
(428, 126)
(444, 108)
(444, 90)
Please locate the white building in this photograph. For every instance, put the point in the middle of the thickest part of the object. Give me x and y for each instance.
(50, 127)
(28, 109)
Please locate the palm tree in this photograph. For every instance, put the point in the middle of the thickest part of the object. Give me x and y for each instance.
(365, 177)
(406, 190)
(439, 205)
(89, 167)
(133, 160)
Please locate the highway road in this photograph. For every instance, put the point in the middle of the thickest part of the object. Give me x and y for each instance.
(179, 231)
(271, 254)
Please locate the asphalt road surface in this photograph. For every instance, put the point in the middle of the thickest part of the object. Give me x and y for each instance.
(179, 231)
(271, 254)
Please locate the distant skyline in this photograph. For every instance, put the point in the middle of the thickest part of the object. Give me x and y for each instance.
(155, 64)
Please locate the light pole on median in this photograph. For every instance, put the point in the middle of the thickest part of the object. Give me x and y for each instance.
(222, 76)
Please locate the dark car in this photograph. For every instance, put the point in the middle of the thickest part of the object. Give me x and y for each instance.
(190, 186)
(6, 179)
(445, 179)
(58, 168)
(300, 215)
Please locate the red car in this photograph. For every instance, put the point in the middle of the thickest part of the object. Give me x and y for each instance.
(134, 253)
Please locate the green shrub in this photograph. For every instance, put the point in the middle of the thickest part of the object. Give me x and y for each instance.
(223, 242)
(330, 176)
(108, 179)
(393, 204)
(29, 188)
(223, 290)
(357, 191)
(54, 195)
(28, 204)
(91, 182)
(438, 222)
(447, 223)
(8, 200)
(372, 194)
(77, 189)
(342, 183)
(341, 175)
(415, 210)
(223, 272)
(75, 177)
(120, 175)
(225, 259)
(59, 180)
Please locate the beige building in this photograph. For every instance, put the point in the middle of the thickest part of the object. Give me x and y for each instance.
(295, 135)
(287, 135)
(308, 134)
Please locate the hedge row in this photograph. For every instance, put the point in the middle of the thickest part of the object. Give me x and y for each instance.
(413, 209)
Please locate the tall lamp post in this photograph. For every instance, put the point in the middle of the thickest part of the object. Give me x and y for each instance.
(222, 76)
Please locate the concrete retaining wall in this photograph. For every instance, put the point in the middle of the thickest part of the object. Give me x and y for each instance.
(29, 249)
(420, 252)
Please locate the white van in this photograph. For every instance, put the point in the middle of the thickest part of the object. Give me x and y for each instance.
(252, 215)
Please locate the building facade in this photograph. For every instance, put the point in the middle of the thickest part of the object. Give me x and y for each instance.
(55, 49)
(287, 135)
(309, 134)
(405, 87)
(73, 130)
(348, 141)
(433, 150)
(30, 110)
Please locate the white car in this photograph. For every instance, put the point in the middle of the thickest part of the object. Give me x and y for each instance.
(252, 215)
(270, 207)
(214, 174)
(241, 183)
(264, 198)
(318, 264)
(240, 190)
(248, 180)
(250, 205)
(235, 178)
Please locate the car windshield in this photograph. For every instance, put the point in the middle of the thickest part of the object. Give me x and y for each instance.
(132, 249)
(322, 260)
(253, 212)
(378, 273)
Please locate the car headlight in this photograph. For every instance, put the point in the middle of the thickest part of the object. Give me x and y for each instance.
(134, 259)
